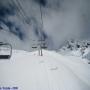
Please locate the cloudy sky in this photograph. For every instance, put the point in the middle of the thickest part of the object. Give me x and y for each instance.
(21, 24)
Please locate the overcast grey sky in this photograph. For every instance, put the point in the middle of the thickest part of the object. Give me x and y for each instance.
(20, 21)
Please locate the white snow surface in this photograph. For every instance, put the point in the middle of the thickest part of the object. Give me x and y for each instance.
(53, 71)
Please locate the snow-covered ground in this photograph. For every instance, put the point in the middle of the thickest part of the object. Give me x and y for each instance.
(53, 71)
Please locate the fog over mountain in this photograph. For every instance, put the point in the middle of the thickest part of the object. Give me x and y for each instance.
(20, 21)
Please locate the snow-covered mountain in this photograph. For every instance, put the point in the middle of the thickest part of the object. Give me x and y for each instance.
(53, 71)
(20, 21)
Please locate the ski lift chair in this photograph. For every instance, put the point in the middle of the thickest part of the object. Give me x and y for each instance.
(44, 45)
(34, 46)
(88, 62)
(5, 50)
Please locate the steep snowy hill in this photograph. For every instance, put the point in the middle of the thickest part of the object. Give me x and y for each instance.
(76, 48)
(28, 71)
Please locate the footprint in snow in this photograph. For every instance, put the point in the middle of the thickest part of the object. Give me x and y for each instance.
(54, 68)
(41, 61)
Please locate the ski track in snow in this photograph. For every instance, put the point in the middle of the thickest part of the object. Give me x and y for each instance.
(29, 71)
(67, 70)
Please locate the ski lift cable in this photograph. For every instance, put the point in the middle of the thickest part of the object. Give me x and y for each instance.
(19, 12)
(21, 9)
(18, 9)
(19, 2)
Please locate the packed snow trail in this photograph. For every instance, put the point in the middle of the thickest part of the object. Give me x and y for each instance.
(28, 71)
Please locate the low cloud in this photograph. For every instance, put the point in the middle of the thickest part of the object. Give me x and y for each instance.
(62, 20)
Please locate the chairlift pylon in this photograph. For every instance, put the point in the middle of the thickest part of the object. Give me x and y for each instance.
(5, 50)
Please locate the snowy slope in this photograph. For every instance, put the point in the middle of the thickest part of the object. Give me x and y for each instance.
(76, 48)
(53, 71)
